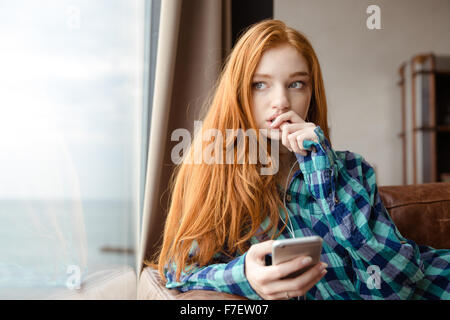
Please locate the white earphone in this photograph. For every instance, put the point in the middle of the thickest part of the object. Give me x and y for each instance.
(290, 228)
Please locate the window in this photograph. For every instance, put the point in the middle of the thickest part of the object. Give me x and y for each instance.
(74, 103)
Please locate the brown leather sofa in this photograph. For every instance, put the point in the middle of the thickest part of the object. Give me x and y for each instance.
(421, 213)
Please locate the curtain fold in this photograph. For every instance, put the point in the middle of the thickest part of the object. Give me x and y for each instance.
(194, 38)
(166, 54)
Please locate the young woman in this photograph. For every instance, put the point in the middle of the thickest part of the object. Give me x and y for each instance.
(223, 218)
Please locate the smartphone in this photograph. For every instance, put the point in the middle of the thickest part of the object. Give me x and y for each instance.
(288, 249)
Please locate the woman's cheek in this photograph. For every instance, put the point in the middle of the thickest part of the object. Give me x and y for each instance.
(303, 106)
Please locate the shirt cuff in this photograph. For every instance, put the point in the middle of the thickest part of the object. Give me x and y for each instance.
(321, 156)
(320, 169)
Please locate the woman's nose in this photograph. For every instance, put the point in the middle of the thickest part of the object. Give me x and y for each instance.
(280, 99)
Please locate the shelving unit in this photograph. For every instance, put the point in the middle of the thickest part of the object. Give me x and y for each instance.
(425, 95)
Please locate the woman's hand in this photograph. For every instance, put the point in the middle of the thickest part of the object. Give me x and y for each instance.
(294, 130)
(266, 280)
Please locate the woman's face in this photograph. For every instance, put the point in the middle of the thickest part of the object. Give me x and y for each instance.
(281, 82)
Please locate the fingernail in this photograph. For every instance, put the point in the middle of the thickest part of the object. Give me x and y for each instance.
(306, 260)
(323, 265)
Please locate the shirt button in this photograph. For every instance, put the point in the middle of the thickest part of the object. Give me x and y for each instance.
(336, 200)
(288, 197)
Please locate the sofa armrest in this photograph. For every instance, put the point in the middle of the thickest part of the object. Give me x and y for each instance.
(208, 295)
(151, 287)
(117, 283)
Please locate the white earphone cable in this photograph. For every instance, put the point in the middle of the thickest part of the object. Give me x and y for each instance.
(291, 228)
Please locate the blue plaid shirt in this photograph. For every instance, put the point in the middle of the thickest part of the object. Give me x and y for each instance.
(334, 195)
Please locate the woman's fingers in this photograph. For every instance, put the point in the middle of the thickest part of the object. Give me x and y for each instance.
(303, 291)
(276, 272)
(287, 129)
(284, 136)
(299, 136)
(268, 281)
(306, 280)
(311, 284)
(258, 251)
(255, 265)
(290, 116)
(298, 286)
(297, 125)
(294, 143)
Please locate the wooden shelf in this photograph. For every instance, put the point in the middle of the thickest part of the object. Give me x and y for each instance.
(443, 128)
(445, 176)
(424, 82)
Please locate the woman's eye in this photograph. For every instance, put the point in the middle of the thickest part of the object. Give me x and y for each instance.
(297, 84)
(258, 85)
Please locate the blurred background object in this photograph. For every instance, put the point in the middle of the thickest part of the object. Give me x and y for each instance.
(425, 87)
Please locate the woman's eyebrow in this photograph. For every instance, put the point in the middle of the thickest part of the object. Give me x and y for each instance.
(298, 73)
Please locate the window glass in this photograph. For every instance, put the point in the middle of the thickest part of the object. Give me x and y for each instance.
(71, 103)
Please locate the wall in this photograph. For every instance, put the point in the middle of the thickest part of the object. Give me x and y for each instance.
(360, 67)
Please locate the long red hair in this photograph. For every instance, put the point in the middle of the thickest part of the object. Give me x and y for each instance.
(221, 206)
